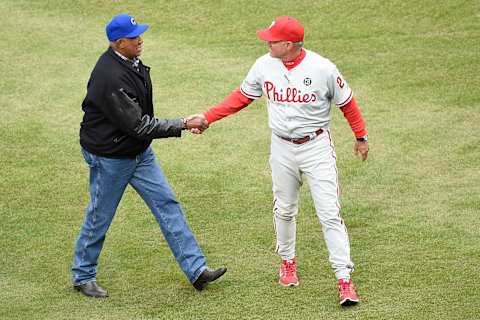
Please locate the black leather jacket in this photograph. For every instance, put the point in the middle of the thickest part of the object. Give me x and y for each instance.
(119, 119)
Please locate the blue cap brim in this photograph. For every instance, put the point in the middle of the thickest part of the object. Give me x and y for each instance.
(141, 28)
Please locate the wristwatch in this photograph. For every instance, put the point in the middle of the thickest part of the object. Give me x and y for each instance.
(362, 139)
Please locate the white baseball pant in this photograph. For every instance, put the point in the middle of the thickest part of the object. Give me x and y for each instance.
(316, 159)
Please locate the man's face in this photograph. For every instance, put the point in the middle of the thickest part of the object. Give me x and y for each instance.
(131, 47)
(278, 49)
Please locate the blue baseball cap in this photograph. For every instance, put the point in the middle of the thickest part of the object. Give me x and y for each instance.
(124, 26)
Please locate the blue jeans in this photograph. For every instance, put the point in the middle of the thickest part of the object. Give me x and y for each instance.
(108, 181)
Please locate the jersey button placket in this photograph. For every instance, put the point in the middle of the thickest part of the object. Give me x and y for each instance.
(291, 105)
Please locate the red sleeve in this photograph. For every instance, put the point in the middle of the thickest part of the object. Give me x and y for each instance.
(235, 102)
(352, 113)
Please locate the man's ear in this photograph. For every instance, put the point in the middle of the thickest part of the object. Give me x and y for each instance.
(120, 43)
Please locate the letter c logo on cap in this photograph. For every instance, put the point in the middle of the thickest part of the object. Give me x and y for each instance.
(133, 21)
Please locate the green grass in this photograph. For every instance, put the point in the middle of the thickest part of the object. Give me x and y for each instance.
(412, 209)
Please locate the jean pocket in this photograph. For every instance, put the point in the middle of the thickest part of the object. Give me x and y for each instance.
(90, 159)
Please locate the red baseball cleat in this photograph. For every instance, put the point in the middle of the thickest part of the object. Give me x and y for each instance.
(346, 289)
(288, 273)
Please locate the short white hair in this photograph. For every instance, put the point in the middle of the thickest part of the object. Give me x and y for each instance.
(298, 44)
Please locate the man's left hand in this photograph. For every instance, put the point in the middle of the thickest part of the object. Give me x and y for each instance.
(361, 148)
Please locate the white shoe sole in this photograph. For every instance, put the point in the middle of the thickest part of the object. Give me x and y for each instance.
(348, 302)
(289, 284)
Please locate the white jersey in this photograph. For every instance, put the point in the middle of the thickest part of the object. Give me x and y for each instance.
(299, 99)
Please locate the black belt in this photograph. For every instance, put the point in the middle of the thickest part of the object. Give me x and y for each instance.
(304, 139)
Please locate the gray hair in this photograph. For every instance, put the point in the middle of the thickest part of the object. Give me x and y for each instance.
(298, 44)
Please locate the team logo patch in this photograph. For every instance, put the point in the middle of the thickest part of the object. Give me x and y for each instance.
(307, 81)
(134, 23)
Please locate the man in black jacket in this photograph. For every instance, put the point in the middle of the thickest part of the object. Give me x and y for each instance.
(116, 132)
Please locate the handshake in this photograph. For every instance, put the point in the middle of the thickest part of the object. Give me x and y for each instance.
(195, 123)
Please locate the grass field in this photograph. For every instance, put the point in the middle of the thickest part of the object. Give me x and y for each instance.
(412, 209)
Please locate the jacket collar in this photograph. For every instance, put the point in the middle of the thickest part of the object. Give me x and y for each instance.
(127, 62)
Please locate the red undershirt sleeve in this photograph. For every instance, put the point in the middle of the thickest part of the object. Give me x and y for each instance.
(352, 113)
(235, 102)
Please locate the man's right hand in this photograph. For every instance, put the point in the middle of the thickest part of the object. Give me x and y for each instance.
(196, 123)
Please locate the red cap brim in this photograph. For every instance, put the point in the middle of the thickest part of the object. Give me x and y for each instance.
(266, 35)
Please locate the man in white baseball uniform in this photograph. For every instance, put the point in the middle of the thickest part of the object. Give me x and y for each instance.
(300, 86)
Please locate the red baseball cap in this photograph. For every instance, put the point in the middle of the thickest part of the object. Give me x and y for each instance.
(284, 28)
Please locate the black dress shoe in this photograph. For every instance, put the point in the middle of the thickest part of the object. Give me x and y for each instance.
(91, 289)
(208, 275)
